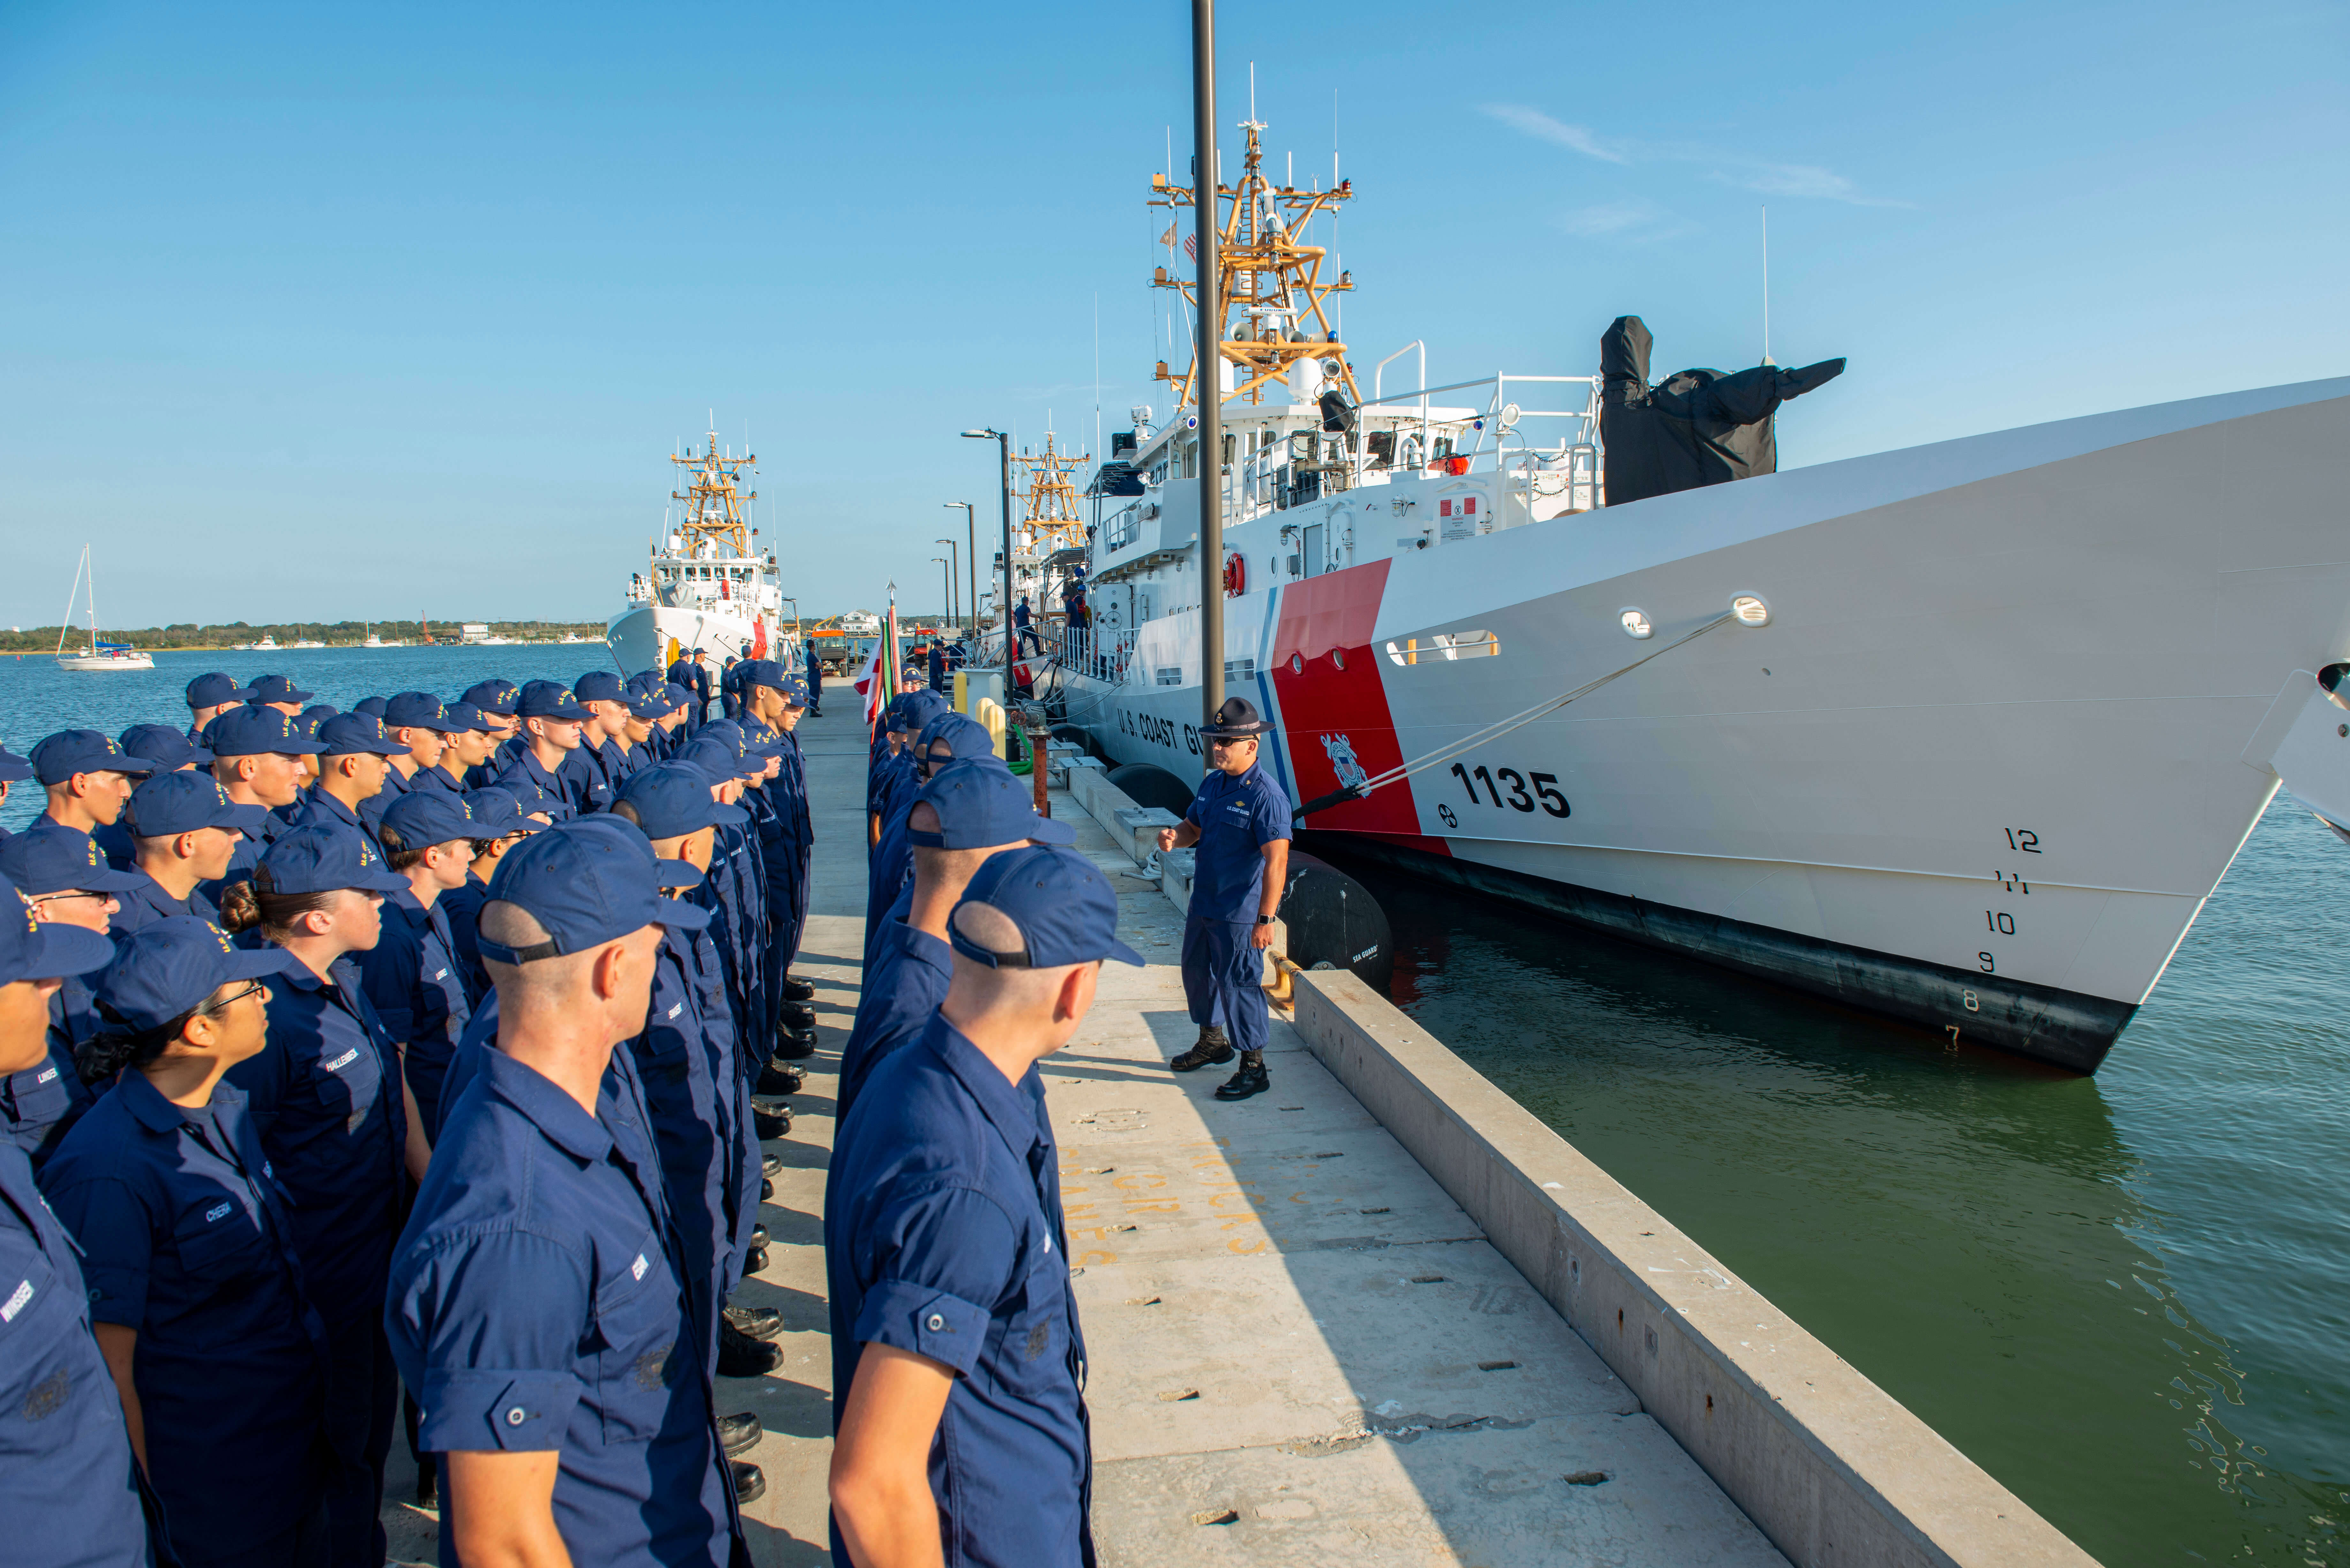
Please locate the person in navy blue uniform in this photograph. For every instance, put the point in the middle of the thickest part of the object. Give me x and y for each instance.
(892, 862)
(539, 1305)
(355, 753)
(960, 1421)
(68, 1485)
(188, 1253)
(413, 975)
(814, 679)
(166, 750)
(503, 825)
(469, 746)
(429, 729)
(186, 830)
(775, 698)
(89, 779)
(1240, 820)
(70, 886)
(797, 839)
(13, 770)
(258, 755)
(551, 722)
(698, 1097)
(496, 701)
(691, 670)
(210, 696)
(596, 771)
(325, 1099)
(278, 691)
(967, 812)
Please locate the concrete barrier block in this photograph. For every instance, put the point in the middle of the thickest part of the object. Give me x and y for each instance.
(1833, 1469)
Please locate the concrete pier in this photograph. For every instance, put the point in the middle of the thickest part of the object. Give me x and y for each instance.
(1306, 1349)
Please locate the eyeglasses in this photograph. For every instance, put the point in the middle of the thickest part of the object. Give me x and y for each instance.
(39, 899)
(1226, 742)
(234, 997)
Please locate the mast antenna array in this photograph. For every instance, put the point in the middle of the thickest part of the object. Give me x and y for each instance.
(715, 503)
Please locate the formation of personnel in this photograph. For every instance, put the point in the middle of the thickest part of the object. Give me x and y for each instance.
(418, 1059)
(426, 1047)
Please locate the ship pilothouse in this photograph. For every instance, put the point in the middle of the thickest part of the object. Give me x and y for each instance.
(706, 585)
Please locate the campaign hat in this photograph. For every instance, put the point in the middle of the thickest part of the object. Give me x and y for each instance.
(70, 752)
(588, 881)
(1059, 900)
(53, 862)
(162, 745)
(279, 689)
(348, 734)
(671, 799)
(254, 730)
(1237, 718)
(979, 803)
(215, 691)
(321, 859)
(550, 700)
(171, 804)
(167, 970)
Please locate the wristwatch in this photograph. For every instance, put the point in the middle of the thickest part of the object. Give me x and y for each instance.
(1265, 920)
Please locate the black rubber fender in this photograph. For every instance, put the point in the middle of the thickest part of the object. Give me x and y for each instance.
(1146, 784)
(1335, 923)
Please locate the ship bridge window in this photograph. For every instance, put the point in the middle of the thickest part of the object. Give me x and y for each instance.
(1444, 645)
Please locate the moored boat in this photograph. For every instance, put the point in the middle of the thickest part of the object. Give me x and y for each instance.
(705, 585)
(97, 653)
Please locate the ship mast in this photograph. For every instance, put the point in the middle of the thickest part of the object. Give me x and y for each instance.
(1271, 290)
(1050, 500)
(714, 500)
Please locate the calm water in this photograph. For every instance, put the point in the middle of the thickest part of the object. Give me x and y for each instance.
(2125, 1296)
(37, 698)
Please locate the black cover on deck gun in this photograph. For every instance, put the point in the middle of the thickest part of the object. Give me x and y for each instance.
(1699, 427)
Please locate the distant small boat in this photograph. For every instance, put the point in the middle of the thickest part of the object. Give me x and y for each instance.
(266, 645)
(305, 642)
(98, 654)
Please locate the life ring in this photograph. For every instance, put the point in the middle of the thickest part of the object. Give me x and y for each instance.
(1235, 576)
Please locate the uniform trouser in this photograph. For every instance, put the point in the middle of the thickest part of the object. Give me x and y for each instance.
(1224, 979)
(362, 1398)
(302, 1544)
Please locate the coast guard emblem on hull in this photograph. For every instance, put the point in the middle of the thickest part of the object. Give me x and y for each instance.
(1341, 753)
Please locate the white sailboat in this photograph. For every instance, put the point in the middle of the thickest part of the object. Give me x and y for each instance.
(96, 654)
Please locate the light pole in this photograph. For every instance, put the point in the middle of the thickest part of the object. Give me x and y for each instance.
(797, 634)
(1004, 604)
(954, 560)
(1208, 378)
(946, 582)
(970, 561)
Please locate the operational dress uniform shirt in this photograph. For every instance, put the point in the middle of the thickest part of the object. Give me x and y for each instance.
(537, 1305)
(903, 988)
(325, 1096)
(184, 1238)
(372, 810)
(246, 854)
(39, 1105)
(586, 783)
(436, 777)
(149, 902)
(947, 1241)
(461, 911)
(419, 988)
(68, 1485)
(1224, 972)
(317, 808)
(534, 789)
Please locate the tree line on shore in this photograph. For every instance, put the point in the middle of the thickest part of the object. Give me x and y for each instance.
(341, 633)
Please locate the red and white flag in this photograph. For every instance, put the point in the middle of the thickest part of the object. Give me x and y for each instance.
(869, 682)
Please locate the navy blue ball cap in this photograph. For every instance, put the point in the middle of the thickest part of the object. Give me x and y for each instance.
(254, 731)
(726, 730)
(372, 707)
(795, 690)
(598, 686)
(549, 700)
(321, 859)
(423, 817)
(671, 799)
(70, 752)
(499, 813)
(964, 735)
(588, 881)
(647, 705)
(1059, 900)
(348, 734)
(162, 745)
(717, 760)
(761, 740)
(279, 689)
(679, 872)
(677, 695)
(54, 862)
(922, 707)
(646, 680)
(167, 970)
(764, 672)
(500, 696)
(419, 711)
(980, 804)
(316, 714)
(39, 950)
(14, 769)
(171, 804)
(216, 690)
(467, 719)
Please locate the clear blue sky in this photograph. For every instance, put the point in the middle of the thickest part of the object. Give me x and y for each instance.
(328, 311)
